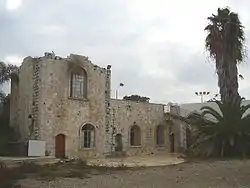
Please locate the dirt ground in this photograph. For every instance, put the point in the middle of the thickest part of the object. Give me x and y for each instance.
(199, 174)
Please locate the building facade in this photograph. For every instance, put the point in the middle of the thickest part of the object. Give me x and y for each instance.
(66, 102)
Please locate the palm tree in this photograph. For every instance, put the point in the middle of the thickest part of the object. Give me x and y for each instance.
(6, 71)
(225, 44)
(216, 130)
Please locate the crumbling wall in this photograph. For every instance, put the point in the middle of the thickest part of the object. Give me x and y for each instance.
(147, 116)
(178, 129)
(44, 104)
(61, 114)
(108, 128)
(21, 99)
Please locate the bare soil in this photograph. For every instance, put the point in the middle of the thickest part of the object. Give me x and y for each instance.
(199, 174)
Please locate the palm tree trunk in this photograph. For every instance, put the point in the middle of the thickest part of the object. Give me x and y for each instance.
(228, 81)
(233, 84)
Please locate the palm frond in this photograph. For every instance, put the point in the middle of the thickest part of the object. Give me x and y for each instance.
(246, 117)
(225, 32)
(244, 108)
(231, 128)
(209, 110)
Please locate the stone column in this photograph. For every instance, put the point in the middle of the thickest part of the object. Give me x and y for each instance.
(108, 110)
(34, 127)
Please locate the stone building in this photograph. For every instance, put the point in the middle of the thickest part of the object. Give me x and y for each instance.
(67, 103)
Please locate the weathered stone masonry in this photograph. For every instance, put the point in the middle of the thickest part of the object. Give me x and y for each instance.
(108, 130)
(44, 101)
(34, 116)
(145, 115)
(21, 99)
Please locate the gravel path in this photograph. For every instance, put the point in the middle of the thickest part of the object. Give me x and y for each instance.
(205, 174)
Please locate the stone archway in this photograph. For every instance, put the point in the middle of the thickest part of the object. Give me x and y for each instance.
(60, 146)
(161, 135)
(118, 142)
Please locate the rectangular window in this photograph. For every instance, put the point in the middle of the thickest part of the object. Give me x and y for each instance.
(77, 86)
(87, 139)
(132, 138)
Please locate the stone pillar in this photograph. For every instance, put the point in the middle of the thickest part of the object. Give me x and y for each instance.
(34, 127)
(108, 110)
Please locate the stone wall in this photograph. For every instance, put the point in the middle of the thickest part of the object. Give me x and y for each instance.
(36, 97)
(42, 100)
(14, 103)
(178, 130)
(61, 114)
(21, 98)
(108, 129)
(147, 116)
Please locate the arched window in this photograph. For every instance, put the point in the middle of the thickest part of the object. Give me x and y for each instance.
(160, 135)
(78, 83)
(135, 136)
(87, 136)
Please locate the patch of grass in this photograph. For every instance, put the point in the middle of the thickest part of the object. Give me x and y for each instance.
(76, 169)
(81, 163)
(9, 176)
(77, 174)
(29, 167)
(69, 169)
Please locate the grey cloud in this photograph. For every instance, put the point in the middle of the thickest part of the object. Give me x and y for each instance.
(107, 34)
(196, 71)
(86, 22)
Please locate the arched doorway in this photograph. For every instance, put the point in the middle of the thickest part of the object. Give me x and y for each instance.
(172, 143)
(118, 142)
(160, 135)
(135, 135)
(60, 146)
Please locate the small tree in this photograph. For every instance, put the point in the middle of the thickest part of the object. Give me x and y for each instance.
(6, 132)
(136, 98)
(6, 71)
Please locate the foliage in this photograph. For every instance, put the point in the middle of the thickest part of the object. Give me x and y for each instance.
(225, 43)
(9, 176)
(2, 97)
(225, 35)
(136, 98)
(4, 127)
(6, 72)
(219, 133)
(6, 132)
(223, 132)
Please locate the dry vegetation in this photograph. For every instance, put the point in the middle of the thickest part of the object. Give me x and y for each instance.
(200, 174)
(62, 169)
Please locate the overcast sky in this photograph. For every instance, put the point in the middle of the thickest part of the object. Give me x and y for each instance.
(155, 47)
